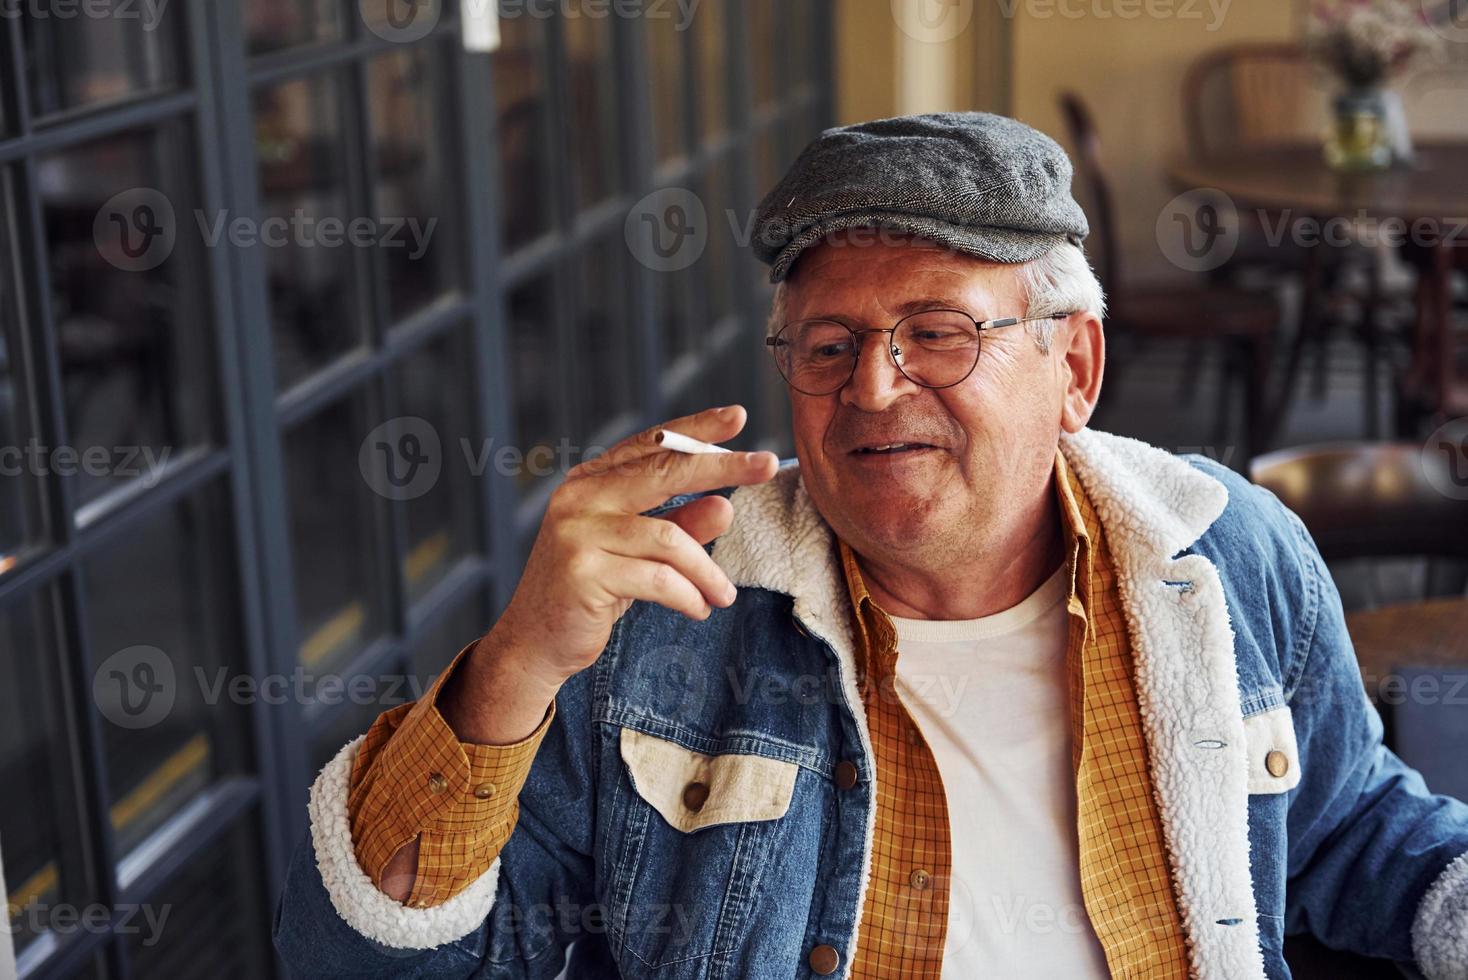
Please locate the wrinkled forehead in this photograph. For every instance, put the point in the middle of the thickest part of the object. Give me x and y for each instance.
(890, 269)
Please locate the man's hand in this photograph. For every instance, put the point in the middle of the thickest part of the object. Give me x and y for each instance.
(593, 556)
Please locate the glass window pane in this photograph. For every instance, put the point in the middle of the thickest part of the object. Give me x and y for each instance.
(334, 536)
(716, 264)
(401, 21)
(218, 924)
(769, 163)
(439, 645)
(132, 316)
(669, 83)
(535, 373)
(675, 313)
(21, 512)
(356, 702)
(762, 41)
(720, 384)
(416, 196)
(40, 836)
(313, 306)
(594, 134)
(436, 385)
(800, 40)
(103, 52)
(271, 25)
(522, 116)
(606, 352)
(164, 632)
(711, 43)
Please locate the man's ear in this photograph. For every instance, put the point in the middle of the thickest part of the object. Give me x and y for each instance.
(1084, 357)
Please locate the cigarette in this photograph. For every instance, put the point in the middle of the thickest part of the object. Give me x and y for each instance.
(680, 443)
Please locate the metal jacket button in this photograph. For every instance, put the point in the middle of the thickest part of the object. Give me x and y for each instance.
(824, 959)
(694, 795)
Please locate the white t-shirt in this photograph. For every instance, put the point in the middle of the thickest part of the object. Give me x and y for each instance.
(991, 698)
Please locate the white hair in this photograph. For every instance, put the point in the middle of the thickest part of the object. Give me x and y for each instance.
(1060, 281)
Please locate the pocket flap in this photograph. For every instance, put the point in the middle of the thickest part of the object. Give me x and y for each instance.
(1274, 759)
(692, 790)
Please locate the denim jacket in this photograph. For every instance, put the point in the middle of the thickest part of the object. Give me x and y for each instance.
(1281, 809)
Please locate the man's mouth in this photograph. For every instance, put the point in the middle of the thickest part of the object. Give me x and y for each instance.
(890, 448)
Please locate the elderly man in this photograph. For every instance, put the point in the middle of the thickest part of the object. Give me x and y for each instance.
(971, 691)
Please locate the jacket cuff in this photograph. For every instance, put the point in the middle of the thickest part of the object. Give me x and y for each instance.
(413, 778)
(1440, 928)
(357, 900)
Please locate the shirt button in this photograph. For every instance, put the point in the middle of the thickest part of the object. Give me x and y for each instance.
(920, 879)
(824, 959)
(436, 783)
(694, 795)
(1277, 763)
(914, 736)
(845, 776)
(484, 791)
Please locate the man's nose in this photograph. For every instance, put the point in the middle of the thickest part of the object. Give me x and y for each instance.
(876, 383)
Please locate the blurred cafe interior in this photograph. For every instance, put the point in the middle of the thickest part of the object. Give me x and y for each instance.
(1278, 198)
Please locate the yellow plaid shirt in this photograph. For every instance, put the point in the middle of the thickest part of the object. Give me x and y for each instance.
(412, 778)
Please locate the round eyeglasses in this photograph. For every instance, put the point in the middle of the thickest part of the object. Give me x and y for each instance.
(933, 348)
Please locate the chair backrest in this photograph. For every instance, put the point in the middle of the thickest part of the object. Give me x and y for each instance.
(1369, 500)
(1252, 95)
(1095, 189)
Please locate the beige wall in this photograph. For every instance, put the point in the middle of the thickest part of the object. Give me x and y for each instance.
(1127, 58)
(1130, 73)
(890, 61)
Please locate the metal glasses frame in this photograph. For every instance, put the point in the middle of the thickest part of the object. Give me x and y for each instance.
(774, 341)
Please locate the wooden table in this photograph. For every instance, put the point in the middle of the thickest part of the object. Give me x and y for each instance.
(1294, 181)
(1431, 634)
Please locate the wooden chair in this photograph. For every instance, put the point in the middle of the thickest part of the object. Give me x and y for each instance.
(1371, 500)
(1250, 96)
(1242, 323)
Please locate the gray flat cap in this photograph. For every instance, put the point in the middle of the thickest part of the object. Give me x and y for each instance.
(981, 184)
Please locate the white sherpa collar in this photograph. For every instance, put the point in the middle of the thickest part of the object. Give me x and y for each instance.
(1151, 505)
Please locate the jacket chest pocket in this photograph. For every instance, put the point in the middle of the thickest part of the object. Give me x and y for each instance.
(696, 834)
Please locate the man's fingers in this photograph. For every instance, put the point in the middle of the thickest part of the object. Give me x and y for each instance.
(710, 425)
(664, 541)
(652, 581)
(645, 483)
(703, 519)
